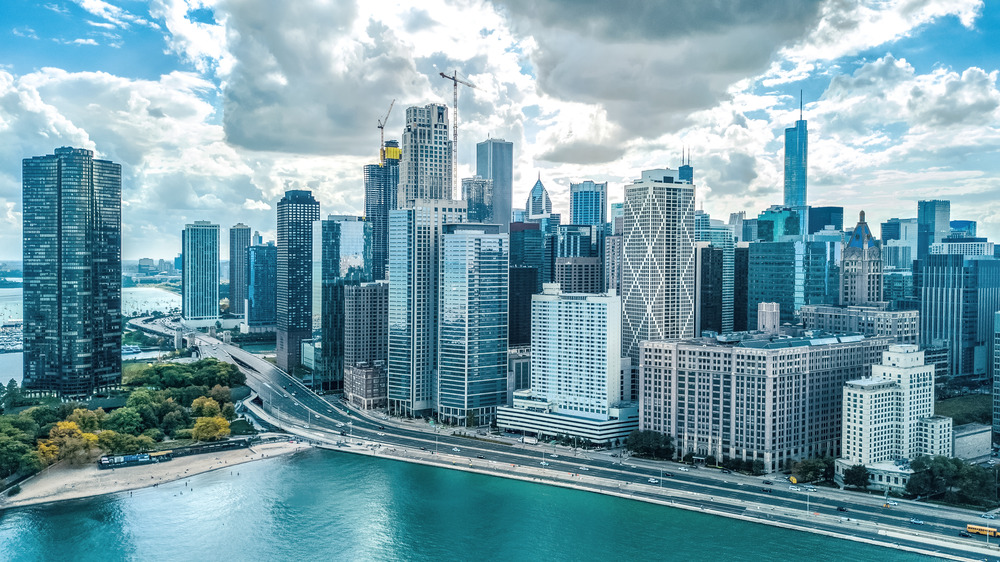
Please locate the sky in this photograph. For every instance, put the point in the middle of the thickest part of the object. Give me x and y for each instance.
(215, 107)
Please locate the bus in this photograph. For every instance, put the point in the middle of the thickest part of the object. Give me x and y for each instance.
(982, 530)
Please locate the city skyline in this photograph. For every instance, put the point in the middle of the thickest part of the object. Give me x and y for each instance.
(902, 105)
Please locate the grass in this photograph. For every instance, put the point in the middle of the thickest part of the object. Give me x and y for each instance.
(972, 408)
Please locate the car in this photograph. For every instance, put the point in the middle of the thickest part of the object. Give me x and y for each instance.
(456, 449)
(380, 434)
(768, 483)
(583, 468)
(766, 490)
(964, 534)
(794, 489)
(726, 471)
(892, 502)
(988, 516)
(343, 433)
(684, 469)
(841, 508)
(543, 463)
(810, 489)
(341, 424)
(668, 474)
(381, 427)
(654, 481)
(555, 456)
(916, 521)
(480, 457)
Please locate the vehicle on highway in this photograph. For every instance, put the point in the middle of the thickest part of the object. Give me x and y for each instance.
(766, 490)
(810, 489)
(341, 424)
(794, 488)
(668, 474)
(480, 457)
(654, 481)
(381, 427)
(423, 448)
(582, 468)
(916, 521)
(726, 471)
(964, 534)
(456, 449)
(988, 516)
(768, 483)
(380, 434)
(981, 530)
(543, 463)
(841, 508)
(684, 469)
(343, 433)
(555, 456)
(892, 502)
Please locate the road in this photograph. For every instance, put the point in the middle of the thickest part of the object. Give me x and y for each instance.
(312, 416)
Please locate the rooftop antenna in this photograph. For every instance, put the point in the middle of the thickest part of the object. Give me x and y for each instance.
(800, 105)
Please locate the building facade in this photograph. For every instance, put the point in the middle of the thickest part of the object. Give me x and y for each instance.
(71, 215)
(262, 288)
(478, 193)
(495, 162)
(523, 284)
(472, 334)
(658, 272)
(903, 326)
(381, 186)
(773, 399)
(365, 385)
(861, 268)
(588, 203)
(796, 164)
(297, 211)
(933, 225)
(200, 278)
(425, 169)
(366, 323)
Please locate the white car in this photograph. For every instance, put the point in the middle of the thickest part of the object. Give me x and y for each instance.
(684, 469)
(988, 516)
(582, 468)
(794, 489)
(543, 463)
(340, 425)
(654, 481)
(456, 449)
(555, 456)
(380, 434)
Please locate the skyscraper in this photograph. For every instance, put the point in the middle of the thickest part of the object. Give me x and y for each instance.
(72, 272)
(821, 217)
(720, 236)
(538, 203)
(347, 261)
(200, 279)
(658, 275)
(861, 268)
(262, 288)
(478, 192)
(792, 274)
(472, 334)
(414, 292)
(933, 224)
(425, 167)
(239, 241)
(495, 161)
(297, 210)
(381, 185)
(588, 203)
(796, 163)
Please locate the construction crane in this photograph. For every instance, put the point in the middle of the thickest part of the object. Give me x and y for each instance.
(381, 134)
(454, 126)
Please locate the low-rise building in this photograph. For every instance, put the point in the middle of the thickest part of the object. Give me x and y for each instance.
(901, 325)
(972, 442)
(366, 385)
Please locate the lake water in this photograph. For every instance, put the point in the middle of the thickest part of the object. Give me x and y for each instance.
(322, 505)
(135, 300)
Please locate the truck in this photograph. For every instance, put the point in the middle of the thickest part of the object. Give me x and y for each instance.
(528, 440)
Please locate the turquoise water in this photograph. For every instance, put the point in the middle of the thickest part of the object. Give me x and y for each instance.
(321, 505)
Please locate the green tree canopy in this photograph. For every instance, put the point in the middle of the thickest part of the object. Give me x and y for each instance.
(124, 420)
(856, 476)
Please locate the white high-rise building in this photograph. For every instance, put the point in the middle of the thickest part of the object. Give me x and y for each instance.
(414, 292)
(658, 269)
(889, 418)
(575, 370)
(200, 281)
(425, 170)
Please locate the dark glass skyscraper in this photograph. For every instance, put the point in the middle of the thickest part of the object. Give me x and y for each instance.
(381, 185)
(933, 224)
(239, 241)
(296, 212)
(72, 272)
(588, 203)
(821, 217)
(262, 286)
(495, 161)
(796, 152)
(347, 260)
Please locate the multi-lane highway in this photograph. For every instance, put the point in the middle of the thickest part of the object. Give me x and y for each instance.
(312, 416)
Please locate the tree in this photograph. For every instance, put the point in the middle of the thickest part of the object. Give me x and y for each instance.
(12, 396)
(809, 470)
(856, 476)
(229, 411)
(205, 407)
(87, 420)
(11, 452)
(173, 421)
(220, 394)
(124, 420)
(46, 452)
(210, 428)
(73, 444)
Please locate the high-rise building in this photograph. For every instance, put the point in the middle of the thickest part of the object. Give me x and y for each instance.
(741, 279)
(200, 280)
(933, 224)
(425, 169)
(538, 203)
(527, 249)
(889, 417)
(297, 211)
(899, 243)
(658, 273)
(381, 185)
(792, 274)
(588, 203)
(472, 335)
(262, 288)
(576, 371)
(796, 164)
(414, 292)
(903, 326)
(779, 224)
(347, 261)
(861, 268)
(478, 192)
(958, 298)
(996, 372)
(257, 239)
(580, 275)
(763, 398)
(72, 272)
(239, 241)
(366, 324)
(962, 229)
(523, 284)
(720, 236)
(614, 256)
(495, 161)
(710, 280)
(822, 217)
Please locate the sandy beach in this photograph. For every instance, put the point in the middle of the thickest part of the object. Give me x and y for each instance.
(65, 482)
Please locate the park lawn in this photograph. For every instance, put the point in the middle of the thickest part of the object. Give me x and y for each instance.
(972, 408)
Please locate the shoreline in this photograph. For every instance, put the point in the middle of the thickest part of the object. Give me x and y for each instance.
(550, 477)
(65, 483)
